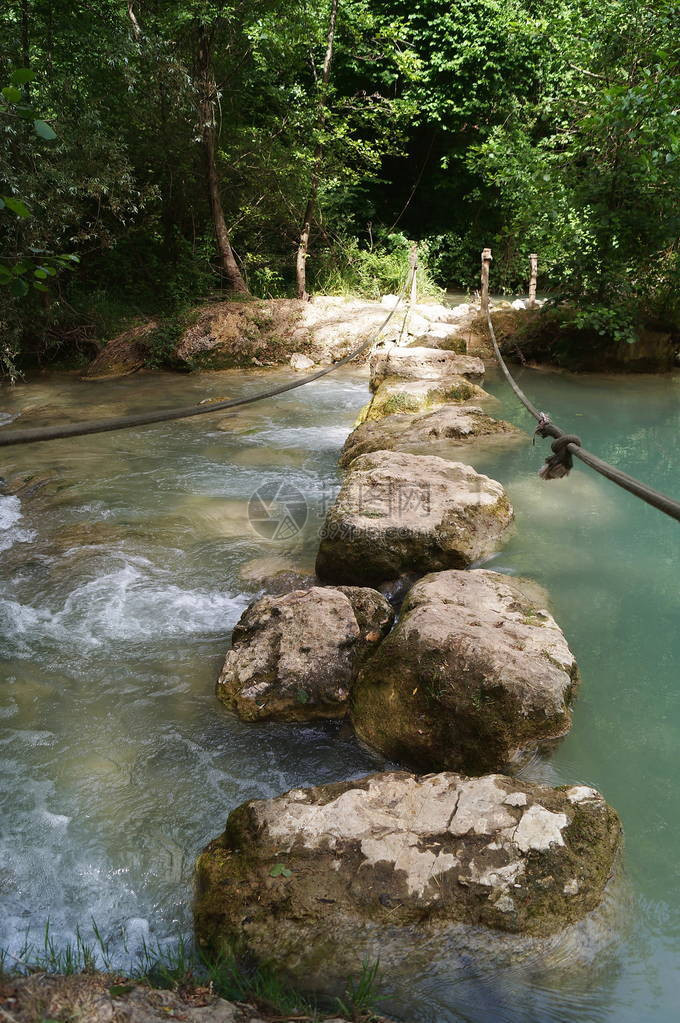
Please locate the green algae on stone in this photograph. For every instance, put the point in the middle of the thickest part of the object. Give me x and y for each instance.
(375, 867)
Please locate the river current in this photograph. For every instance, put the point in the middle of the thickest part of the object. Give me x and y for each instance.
(125, 563)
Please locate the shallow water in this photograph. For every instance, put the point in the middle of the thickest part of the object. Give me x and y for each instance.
(121, 580)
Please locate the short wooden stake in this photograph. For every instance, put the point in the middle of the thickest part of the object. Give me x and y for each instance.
(533, 262)
(486, 262)
(413, 263)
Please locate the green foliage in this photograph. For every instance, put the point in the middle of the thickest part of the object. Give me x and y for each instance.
(550, 128)
(348, 268)
(360, 994)
(178, 965)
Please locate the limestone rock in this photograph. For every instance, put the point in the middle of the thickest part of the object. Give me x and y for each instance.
(421, 364)
(440, 335)
(420, 396)
(318, 879)
(428, 431)
(300, 362)
(399, 513)
(476, 676)
(295, 657)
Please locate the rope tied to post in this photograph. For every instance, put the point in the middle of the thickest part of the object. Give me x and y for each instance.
(561, 462)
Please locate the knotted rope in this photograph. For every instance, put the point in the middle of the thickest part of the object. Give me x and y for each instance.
(569, 447)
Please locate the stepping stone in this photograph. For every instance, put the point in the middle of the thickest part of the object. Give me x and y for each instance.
(441, 429)
(398, 513)
(410, 396)
(477, 676)
(295, 657)
(320, 879)
(422, 364)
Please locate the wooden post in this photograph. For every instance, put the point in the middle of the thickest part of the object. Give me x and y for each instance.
(413, 264)
(486, 262)
(533, 262)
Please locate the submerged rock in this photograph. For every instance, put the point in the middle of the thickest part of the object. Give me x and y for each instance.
(410, 396)
(421, 364)
(476, 676)
(413, 433)
(399, 513)
(295, 657)
(317, 879)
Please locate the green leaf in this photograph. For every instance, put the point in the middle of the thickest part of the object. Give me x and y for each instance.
(2, 203)
(40, 273)
(40, 287)
(21, 76)
(16, 206)
(280, 870)
(43, 129)
(116, 990)
(11, 94)
(19, 287)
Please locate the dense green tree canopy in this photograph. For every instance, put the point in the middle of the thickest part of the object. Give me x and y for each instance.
(548, 127)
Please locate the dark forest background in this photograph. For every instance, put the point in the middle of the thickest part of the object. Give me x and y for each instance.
(128, 129)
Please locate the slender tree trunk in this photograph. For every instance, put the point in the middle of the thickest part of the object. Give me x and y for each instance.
(136, 30)
(306, 230)
(208, 96)
(25, 44)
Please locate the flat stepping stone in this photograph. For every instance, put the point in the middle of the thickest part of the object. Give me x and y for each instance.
(477, 676)
(422, 364)
(294, 657)
(398, 513)
(430, 430)
(410, 396)
(318, 879)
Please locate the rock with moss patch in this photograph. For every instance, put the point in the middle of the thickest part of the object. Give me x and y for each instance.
(295, 657)
(421, 364)
(411, 396)
(398, 513)
(438, 432)
(316, 880)
(477, 676)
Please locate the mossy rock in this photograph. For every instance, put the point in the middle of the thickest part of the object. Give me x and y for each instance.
(477, 676)
(318, 880)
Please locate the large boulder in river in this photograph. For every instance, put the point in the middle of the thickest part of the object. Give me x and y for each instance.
(421, 364)
(476, 676)
(412, 396)
(399, 513)
(430, 431)
(317, 880)
(294, 657)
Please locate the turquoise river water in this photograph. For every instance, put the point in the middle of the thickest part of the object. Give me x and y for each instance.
(126, 567)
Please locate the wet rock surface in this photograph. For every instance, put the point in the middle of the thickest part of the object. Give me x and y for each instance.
(430, 430)
(411, 396)
(421, 364)
(316, 879)
(295, 657)
(476, 676)
(398, 513)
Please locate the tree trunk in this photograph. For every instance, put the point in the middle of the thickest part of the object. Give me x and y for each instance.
(208, 96)
(303, 244)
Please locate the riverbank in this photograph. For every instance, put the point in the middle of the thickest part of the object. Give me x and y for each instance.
(274, 332)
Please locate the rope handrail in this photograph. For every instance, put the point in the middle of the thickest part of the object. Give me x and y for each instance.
(570, 446)
(34, 435)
